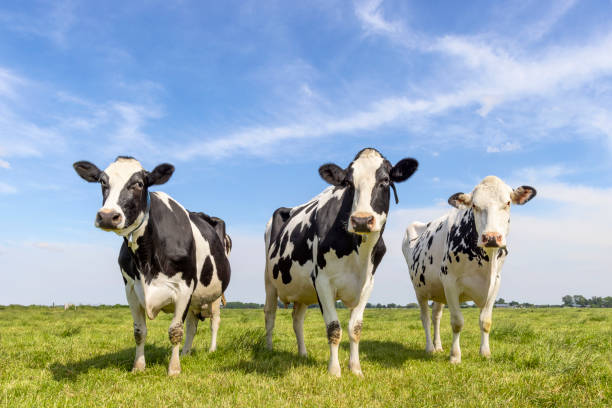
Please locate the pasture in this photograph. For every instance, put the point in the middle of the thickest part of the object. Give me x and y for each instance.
(541, 357)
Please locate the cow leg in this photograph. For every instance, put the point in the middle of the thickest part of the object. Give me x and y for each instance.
(429, 347)
(270, 310)
(452, 297)
(436, 316)
(191, 327)
(486, 314)
(354, 328)
(334, 331)
(299, 312)
(215, 319)
(140, 328)
(175, 333)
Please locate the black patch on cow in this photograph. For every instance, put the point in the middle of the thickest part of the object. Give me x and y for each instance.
(463, 239)
(187, 309)
(126, 262)
(284, 267)
(430, 241)
(217, 249)
(167, 243)
(133, 199)
(444, 270)
(422, 278)
(207, 271)
(279, 220)
(380, 193)
(313, 277)
(378, 252)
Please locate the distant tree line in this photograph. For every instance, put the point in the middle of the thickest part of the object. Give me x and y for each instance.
(568, 301)
(581, 301)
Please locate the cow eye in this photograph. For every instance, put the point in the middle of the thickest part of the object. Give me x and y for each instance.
(508, 204)
(384, 182)
(137, 184)
(476, 208)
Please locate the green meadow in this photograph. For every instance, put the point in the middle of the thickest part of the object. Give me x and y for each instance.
(541, 357)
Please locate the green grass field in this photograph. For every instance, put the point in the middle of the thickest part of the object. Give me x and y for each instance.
(541, 357)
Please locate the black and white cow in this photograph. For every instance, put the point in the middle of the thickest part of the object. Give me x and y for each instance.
(329, 248)
(459, 257)
(171, 259)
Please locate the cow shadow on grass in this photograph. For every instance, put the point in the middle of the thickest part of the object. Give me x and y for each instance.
(121, 360)
(253, 357)
(387, 353)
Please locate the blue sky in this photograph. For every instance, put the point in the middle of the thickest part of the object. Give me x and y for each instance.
(248, 98)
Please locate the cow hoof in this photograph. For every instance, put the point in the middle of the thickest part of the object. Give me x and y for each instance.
(334, 371)
(173, 372)
(212, 349)
(356, 370)
(455, 359)
(185, 352)
(303, 353)
(138, 368)
(430, 350)
(438, 349)
(485, 353)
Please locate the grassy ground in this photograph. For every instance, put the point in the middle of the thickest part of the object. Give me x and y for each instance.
(541, 357)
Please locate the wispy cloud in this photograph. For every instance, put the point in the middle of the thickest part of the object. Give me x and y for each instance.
(543, 26)
(53, 23)
(4, 164)
(7, 188)
(369, 12)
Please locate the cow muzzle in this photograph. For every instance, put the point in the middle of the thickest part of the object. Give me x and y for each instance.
(108, 219)
(492, 240)
(362, 222)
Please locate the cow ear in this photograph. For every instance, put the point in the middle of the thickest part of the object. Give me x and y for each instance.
(333, 174)
(403, 169)
(88, 171)
(460, 200)
(160, 174)
(522, 194)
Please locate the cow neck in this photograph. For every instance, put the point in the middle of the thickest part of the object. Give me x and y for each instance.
(139, 230)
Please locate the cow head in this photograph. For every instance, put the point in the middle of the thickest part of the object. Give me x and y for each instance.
(368, 178)
(490, 202)
(124, 191)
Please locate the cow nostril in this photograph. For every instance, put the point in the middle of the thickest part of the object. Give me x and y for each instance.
(116, 218)
(370, 220)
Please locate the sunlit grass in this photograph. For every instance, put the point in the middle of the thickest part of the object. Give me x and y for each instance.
(541, 357)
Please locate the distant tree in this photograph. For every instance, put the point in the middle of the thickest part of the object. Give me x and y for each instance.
(580, 300)
(514, 303)
(412, 305)
(607, 301)
(568, 300)
(500, 301)
(596, 301)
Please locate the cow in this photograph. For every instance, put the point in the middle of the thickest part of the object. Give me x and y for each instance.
(68, 306)
(171, 259)
(459, 257)
(328, 249)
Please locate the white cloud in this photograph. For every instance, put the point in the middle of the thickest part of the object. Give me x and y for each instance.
(7, 188)
(369, 12)
(53, 23)
(504, 147)
(543, 26)
(4, 164)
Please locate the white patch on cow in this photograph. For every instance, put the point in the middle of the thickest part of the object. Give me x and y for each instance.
(364, 179)
(165, 198)
(119, 172)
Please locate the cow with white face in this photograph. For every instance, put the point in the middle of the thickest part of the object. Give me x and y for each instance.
(328, 249)
(172, 260)
(459, 257)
